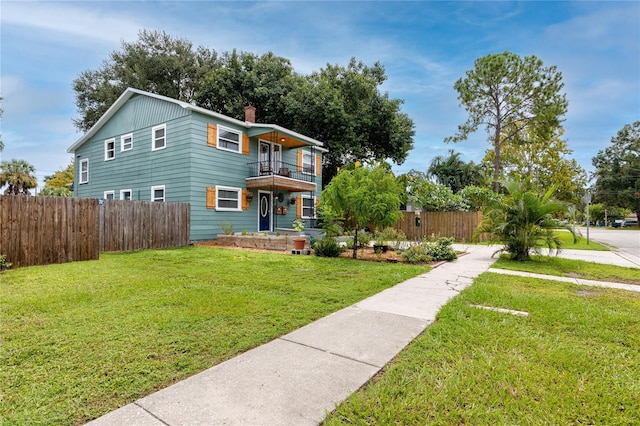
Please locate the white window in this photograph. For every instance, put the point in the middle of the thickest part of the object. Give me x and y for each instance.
(308, 207)
(159, 137)
(125, 194)
(157, 193)
(109, 195)
(109, 149)
(228, 198)
(126, 142)
(308, 165)
(230, 140)
(84, 170)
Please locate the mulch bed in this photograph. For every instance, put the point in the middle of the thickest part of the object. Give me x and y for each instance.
(367, 255)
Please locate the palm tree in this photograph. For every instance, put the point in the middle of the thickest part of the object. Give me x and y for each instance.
(18, 175)
(453, 172)
(523, 222)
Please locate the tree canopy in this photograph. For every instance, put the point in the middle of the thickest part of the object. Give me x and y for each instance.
(59, 183)
(243, 79)
(341, 106)
(454, 173)
(507, 95)
(617, 170)
(156, 62)
(434, 197)
(541, 164)
(19, 177)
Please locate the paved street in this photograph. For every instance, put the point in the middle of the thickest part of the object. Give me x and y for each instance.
(623, 241)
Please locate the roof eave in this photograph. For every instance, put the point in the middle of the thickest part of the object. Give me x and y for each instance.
(127, 94)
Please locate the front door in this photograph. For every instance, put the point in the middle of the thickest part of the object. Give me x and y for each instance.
(264, 211)
(265, 158)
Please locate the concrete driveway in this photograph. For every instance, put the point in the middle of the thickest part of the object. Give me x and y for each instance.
(623, 241)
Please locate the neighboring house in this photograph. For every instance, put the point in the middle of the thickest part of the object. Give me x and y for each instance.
(258, 177)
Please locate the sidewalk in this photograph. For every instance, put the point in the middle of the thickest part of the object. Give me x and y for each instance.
(298, 378)
(607, 257)
(578, 281)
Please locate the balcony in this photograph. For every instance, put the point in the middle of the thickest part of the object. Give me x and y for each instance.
(280, 175)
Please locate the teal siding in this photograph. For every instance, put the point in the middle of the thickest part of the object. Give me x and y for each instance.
(186, 167)
(216, 167)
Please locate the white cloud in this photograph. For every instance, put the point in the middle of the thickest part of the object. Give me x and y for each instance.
(82, 22)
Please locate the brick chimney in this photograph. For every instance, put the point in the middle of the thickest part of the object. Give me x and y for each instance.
(250, 114)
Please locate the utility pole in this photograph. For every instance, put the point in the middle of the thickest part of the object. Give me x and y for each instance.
(587, 201)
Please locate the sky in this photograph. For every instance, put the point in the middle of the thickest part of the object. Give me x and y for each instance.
(424, 46)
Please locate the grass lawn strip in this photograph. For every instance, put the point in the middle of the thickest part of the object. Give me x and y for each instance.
(568, 244)
(581, 244)
(572, 360)
(84, 338)
(550, 265)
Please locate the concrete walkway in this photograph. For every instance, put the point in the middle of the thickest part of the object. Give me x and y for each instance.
(298, 378)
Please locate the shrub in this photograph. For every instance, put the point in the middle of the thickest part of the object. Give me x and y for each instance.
(349, 243)
(364, 238)
(226, 227)
(390, 234)
(441, 249)
(523, 222)
(327, 247)
(416, 254)
(3, 262)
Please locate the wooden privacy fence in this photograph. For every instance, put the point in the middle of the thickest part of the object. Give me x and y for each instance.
(459, 225)
(140, 225)
(45, 230)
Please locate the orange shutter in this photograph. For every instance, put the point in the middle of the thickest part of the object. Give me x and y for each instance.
(245, 202)
(299, 206)
(245, 144)
(212, 135)
(299, 163)
(211, 197)
(318, 165)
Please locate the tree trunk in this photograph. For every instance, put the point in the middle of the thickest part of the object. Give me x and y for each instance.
(355, 244)
(496, 159)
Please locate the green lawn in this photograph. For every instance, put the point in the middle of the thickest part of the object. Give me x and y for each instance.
(573, 360)
(568, 244)
(581, 244)
(550, 265)
(81, 339)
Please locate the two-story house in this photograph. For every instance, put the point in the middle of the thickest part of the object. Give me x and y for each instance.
(254, 176)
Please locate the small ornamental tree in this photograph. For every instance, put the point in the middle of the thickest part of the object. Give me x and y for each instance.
(362, 196)
(524, 221)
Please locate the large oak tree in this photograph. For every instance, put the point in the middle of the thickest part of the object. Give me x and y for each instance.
(343, 107)
(507, 94)
(156, 62)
